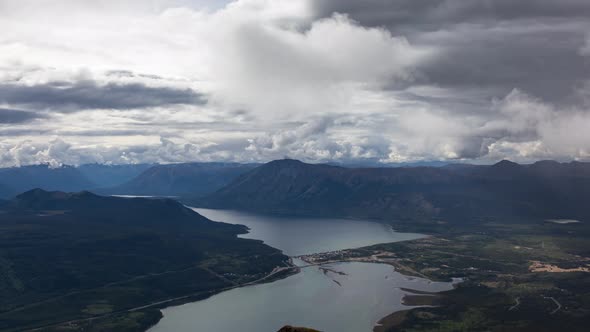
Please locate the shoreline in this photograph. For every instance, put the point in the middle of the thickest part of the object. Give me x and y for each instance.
(274, 275)
(412, 299)
(294, 269)
(271, 277)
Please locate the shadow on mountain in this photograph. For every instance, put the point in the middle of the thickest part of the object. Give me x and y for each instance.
(453, 193)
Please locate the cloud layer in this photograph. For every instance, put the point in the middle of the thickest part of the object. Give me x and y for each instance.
(320, 80)
(83, 95)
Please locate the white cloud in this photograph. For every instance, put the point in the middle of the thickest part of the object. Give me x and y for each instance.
(518, 127)
(58, 152)
(278, 82)
(267, 56)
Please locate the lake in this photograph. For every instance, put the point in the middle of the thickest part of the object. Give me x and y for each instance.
(350, 301)
(300, 236)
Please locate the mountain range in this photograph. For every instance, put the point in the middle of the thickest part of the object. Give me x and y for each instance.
(186, 179)
(452, 193)
(183, 179)
(105, 176)
(15, 180)
(449, 193)
(79, 256)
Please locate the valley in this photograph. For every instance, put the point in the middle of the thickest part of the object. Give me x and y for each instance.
(500, 248)
(318, 296)
(294, 166)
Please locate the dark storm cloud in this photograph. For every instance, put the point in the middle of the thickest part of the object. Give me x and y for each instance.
(543, 63)
(533, 45)
(68, 97)
(12, 116)
(432, 14)
(14, 132)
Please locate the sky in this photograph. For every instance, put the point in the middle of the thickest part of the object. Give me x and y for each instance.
(380, 81)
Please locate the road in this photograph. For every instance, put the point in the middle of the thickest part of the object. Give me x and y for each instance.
(121, 282)
(515, 305)
(275, 271)
(556, 303)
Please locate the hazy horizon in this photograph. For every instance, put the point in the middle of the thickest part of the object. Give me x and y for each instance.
(360, 163)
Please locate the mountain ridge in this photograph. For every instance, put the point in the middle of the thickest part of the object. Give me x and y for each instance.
(190, 179)
(503, 189)
(64, 253)
(15, 180)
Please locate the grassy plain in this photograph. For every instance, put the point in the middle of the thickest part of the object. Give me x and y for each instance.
(501, 291)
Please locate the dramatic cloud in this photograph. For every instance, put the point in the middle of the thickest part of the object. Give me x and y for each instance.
(532, 45)
(320, 80)
(17, 116)
(58, 152)
(436, 13)
(318, 140)
(64, 96)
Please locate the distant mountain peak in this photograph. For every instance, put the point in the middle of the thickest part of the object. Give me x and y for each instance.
(26, 178)
(183, 179)
(506, 164)
(286, 161)
(39, 193)
(285, 164)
